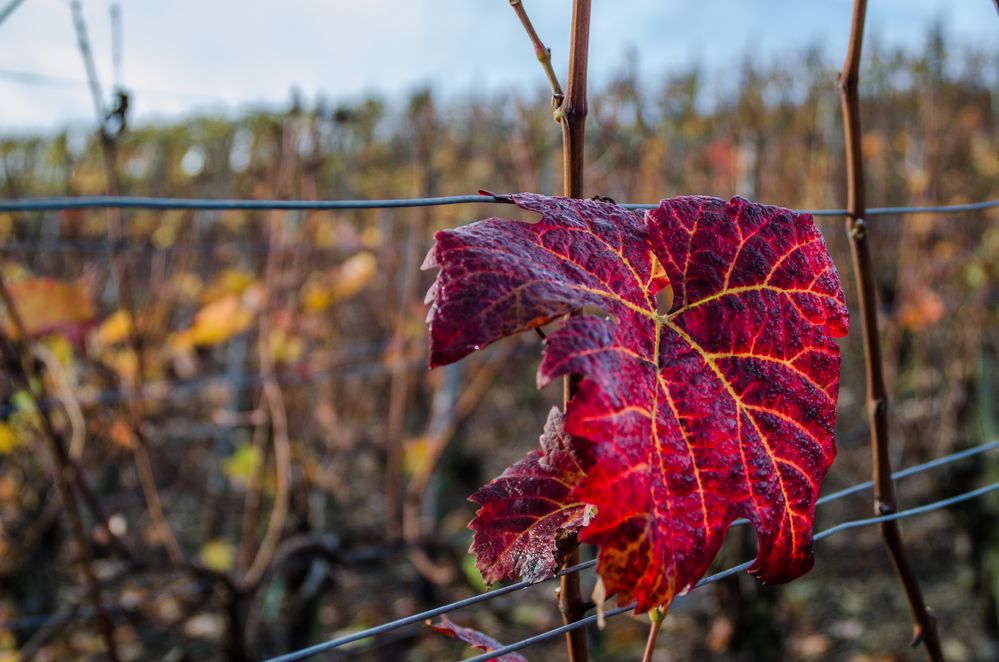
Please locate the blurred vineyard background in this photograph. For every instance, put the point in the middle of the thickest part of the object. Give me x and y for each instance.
(235, 364)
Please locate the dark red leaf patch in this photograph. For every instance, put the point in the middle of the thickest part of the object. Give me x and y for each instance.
(723, 407)
(474, 638)
(526, 510)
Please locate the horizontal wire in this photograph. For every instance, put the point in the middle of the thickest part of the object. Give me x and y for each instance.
(902, 473)
(915, 469)
(902, 514)
(879, 211)
(204, 204)
(29, 622)
(101, 245)
(141, 245)
(483, 597)
(207, 204)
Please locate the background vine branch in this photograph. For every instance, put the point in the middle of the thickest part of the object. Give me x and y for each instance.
(924, 622)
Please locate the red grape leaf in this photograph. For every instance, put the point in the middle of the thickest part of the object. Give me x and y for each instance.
(474, 638)
(527, 510)
(722, 407)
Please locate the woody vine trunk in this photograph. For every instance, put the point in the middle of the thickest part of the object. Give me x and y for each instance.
(923, 620)
(573, 119)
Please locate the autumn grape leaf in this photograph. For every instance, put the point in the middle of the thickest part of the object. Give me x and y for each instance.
(473, 638)
(46, 305)
(528, 509)
(720, 407)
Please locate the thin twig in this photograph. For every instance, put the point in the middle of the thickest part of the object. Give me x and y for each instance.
(83, 43)
(9, 9)
(544, 55)
(154, 503)
(282, 468)
(120, 268)
(924, 622)
(439, 436)
(20, 359)
(68, 400)
(252, 498)
(273, 396)
(401, 385)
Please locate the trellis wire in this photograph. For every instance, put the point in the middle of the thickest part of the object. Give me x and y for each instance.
(28, 622)
(483, 597)
(150, 203)
(852, 524)
(138, 245)
(206, 204)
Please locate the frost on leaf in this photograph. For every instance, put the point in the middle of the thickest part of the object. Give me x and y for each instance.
(473, 638)
(721, 407)
(529, 508)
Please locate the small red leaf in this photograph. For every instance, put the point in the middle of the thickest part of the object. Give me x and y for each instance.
(528, 507)
(723, 407)
(473, 638)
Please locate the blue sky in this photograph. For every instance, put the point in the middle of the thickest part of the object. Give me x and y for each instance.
(185, 56)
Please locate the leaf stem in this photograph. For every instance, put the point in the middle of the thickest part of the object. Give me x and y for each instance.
(656, 618)
(544, 55)
(923, 621)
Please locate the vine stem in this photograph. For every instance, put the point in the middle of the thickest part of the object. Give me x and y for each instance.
(121, 270)
(544, 55)
(273, 396)
(573, 119)
(20, 358)
(923, 621)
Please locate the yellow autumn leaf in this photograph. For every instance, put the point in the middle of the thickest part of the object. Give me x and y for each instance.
(8, 646)
(229, 282)
(353, 275)
(372, 237)
(188, 286)
(239, 466)
(124, 362)
(47, 304)
(285, 347)
(218, 321)
(414, 454)
(116, 328)
(9, 440)
(61, 348)
(316, 296)
(343, 283)
(167, 229)
(6, 225)
(217, 555)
